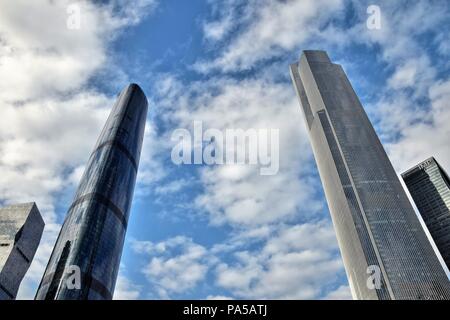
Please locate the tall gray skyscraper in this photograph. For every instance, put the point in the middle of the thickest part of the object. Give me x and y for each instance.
(93, 233)
(377, 229)
(429, 186)
(21, 228)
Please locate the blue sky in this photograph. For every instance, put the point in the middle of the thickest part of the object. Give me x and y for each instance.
(199, 231)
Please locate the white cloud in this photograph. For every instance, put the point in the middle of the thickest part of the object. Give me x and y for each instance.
(217, 29)
(412, 73)
(237, 194)
(41, 56)
(294, 262)
(227, 15)
(298, 262)
(275, 28)
(126, 290)
(176, 265)
(41, 141)
(172, 187)
(428, 135)
(341, 293)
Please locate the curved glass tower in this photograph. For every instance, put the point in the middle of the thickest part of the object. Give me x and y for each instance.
(385, 250)
(93, 233)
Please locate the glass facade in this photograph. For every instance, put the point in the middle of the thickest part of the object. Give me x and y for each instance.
(376, 226)
(93, 232)
(429, 186)
(21, 228)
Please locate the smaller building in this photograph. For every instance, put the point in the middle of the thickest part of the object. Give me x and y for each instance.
(377, 229)
(21, 228)
(429, 186)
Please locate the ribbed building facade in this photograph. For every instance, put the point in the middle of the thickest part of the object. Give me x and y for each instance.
(93, 233)
(376, 226)
(21, 228)
(429, 186)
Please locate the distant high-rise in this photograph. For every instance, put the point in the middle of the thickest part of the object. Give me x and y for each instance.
(93, 233)
(21, 228)
(429, 186)
(378, 232)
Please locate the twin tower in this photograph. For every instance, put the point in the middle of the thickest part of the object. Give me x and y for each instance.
(378, 231)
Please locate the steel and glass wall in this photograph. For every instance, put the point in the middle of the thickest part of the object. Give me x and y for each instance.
(377, 229)
(93, 233)
(429, 186)
(21, 228)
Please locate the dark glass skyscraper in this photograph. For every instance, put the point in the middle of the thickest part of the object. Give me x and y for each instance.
(429, 186)
(378, 232)
(93, 232)
(21, 228)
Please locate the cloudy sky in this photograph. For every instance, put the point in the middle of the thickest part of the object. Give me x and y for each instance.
(199, 231)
